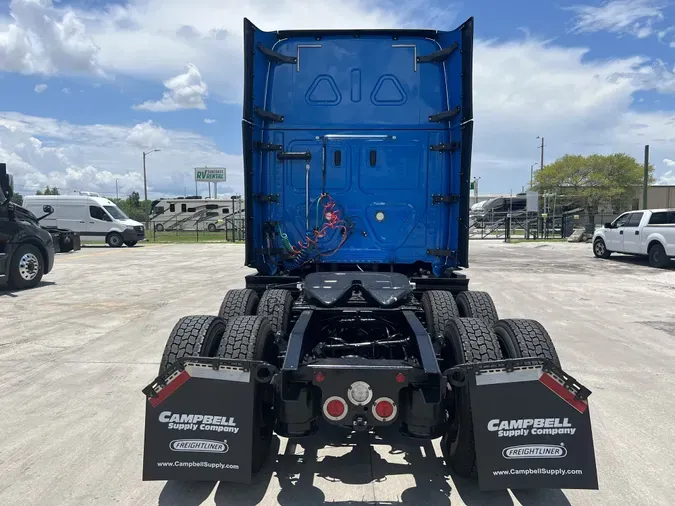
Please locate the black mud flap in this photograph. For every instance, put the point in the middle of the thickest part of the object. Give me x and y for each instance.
(531, 424)
(199, 420)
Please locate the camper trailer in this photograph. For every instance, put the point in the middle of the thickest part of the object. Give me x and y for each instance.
(183, 214)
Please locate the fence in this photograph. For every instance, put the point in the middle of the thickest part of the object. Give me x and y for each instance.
(524, 225)
(228, 229)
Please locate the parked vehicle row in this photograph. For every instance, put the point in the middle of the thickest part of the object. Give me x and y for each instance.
(26, 249)
(649, 232)
(96, 219)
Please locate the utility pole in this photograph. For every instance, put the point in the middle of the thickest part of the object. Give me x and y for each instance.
(645, 183)
(541, 161)
(117, 190)
(145, 188)
(532, 175)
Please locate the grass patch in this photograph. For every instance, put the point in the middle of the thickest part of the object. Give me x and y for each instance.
(188, 237)
(518, 241)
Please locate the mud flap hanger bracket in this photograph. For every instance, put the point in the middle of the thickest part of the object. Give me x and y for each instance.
(262, 371)
(458, 375)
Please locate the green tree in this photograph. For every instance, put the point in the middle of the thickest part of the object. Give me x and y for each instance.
(48, 191)
(134, 199)
(133, 207)
(593, 180)
(17, 198)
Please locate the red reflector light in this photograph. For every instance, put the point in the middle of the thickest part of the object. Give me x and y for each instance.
(319, 377)
(400, 378)
(335, 408)
(384, 409)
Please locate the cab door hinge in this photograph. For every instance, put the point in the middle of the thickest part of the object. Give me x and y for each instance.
(442, 253)
(276, 57)
(272, 198)
(451, 146)
(444, 199)
(277, 118)
(444, 116)
(438, 56)
(264, 146)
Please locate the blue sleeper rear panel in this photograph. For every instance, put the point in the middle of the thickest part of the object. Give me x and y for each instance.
(359, 103)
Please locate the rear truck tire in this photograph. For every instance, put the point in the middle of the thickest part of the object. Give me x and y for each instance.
(252, 338)
(525, 339)
(276, 305)
(131, 244)
(468, 340)
(657, 256)
(192, 336)
(440, 309)
(159, 227)
(477, 305)
(211, 227)
(600, 249)
(26, 267)
(238, 302)
(114, 240)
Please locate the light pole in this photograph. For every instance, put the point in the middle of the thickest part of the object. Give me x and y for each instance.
(145, 187)
(532, 175)
(475, 189)
(541, 161)
(117, 189)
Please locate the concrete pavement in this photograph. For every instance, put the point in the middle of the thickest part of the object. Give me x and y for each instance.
(76, 351)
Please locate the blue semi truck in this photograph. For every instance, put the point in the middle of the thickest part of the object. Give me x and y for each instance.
(357, 161)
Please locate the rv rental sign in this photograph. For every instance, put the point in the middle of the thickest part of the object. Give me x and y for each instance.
(210, 175)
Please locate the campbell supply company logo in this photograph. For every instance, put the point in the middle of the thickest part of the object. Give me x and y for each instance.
(533, 426)
(199, 445)
(535, 452)
(186, 421)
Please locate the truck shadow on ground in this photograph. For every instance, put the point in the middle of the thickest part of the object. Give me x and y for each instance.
(305, 476)
(638, 261)
(11, 292)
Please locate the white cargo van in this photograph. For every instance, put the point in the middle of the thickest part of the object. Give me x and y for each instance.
(95, 218)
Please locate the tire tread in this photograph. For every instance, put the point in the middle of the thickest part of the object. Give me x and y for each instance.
(187, 338)
(477, 305)
(238, 302)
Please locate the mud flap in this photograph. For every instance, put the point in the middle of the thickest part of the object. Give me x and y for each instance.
(531, 424)
(199, 420)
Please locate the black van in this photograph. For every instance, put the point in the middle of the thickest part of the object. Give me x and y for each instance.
(26, 250)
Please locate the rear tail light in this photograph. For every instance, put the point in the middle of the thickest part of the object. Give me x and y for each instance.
(335, 408)
(384, 409)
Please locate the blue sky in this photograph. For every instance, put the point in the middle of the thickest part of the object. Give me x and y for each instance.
(86, 85)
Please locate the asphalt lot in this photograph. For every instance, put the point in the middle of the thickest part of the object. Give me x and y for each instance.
(76, 351)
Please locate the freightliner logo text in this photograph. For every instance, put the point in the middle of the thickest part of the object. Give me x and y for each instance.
(534, 426)
(179, 421)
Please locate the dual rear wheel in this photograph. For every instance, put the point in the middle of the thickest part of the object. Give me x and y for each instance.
(244, 329)
(468, 330)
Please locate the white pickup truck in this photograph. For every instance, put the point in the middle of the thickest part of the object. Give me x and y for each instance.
(649, 232)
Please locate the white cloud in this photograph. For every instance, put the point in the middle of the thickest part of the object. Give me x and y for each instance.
(39, 88)
(66, 91)
(209, 121)
(186, 91)
(154, 38)
(44, 151)
(668, 162)
(522, 88)
(667, 178)
(40, 39)
(635, 17)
